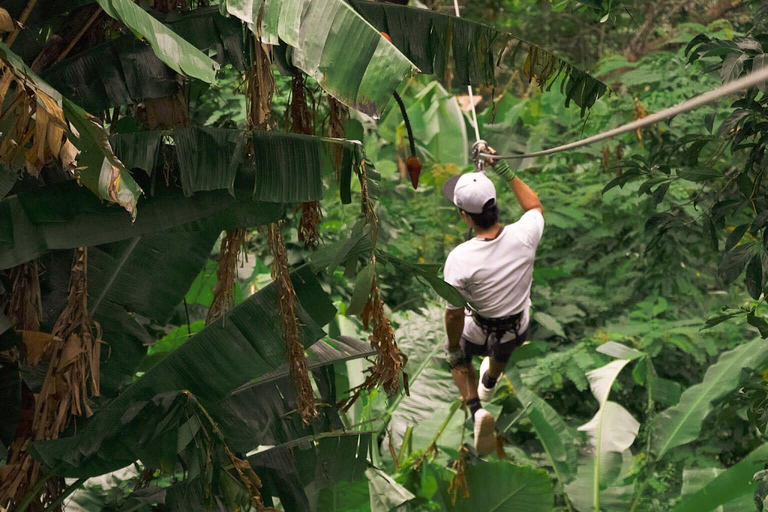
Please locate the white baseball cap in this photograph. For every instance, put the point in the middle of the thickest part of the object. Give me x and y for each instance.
(470, 192)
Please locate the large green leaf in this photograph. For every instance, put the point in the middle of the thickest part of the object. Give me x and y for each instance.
(555, 436)
(611, 432)
(265, 412)
(67, 216)
(296, 471)
(8, 179)
(321, 34)
(169, 47)
(436, 42)
(284, 167)
(682, 423)
(126, 71)
(385, 493)
(728, 486)
(101, 171)
(505, 487)
(146, 275)
(238, 347)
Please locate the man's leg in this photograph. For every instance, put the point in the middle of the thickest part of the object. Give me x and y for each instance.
(466, 380)
(497, 362)
(465, 377)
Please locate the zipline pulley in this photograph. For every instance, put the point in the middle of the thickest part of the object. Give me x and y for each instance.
(478, 148)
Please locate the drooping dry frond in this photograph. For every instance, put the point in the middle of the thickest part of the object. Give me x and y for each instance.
(250, 481)
(287, 307)
(337, 115)
(259, 87)
(300, 120)
(245, 473)
(24, 308)
(164, 113)
(390, 362)
(308, 225)
(229, 255)
(35, 137)
(458, 484)
(298, 112)
(73, 352)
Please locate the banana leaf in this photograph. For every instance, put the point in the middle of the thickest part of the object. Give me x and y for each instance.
(67, 216)
(267, 415)
(682, 423)
(386, 494)
(295, 472)
(504, 486)
(264, 412)
(320, 34)
(7, 181)
(100, 170)
(169, 47)
(557, 439)
(611, 432)
(728, 486)
(284, 168)
(240, 346)
(126, 71)
(436, 42)
(147, 276)
(359, 242)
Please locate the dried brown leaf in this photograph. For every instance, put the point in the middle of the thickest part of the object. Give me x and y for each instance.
(35, 345)
(6, 23)
(297, 363)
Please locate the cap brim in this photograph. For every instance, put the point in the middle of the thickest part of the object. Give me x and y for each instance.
(450, 186)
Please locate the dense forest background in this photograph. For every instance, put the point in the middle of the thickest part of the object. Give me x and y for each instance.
(643, 386)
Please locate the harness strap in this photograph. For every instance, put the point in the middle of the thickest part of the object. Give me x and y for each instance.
(498, 327)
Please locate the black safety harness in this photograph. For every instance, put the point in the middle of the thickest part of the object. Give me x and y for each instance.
(496, 328)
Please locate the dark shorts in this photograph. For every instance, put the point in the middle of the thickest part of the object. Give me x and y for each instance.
(500, 352)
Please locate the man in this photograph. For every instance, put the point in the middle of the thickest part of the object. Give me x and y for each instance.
(493, 271)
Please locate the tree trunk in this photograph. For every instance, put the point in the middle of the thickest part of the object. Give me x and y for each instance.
(720, 8)
(657, 14)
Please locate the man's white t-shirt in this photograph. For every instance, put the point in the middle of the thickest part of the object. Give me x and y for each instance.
(495, 275)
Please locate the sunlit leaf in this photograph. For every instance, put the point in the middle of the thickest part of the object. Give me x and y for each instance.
(176, 52)
(321, 33)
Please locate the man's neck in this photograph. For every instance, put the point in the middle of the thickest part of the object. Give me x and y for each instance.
(491, 232)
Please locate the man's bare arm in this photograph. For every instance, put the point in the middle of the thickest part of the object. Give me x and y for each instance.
(454, 326)
(525, 196)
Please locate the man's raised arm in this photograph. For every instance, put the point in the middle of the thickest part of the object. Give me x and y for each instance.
(525, 196)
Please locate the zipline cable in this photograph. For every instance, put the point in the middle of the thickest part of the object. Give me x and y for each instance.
(469, 87)
(744, 82)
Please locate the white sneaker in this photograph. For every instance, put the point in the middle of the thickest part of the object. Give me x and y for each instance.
(485, 394)
(485, 439)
